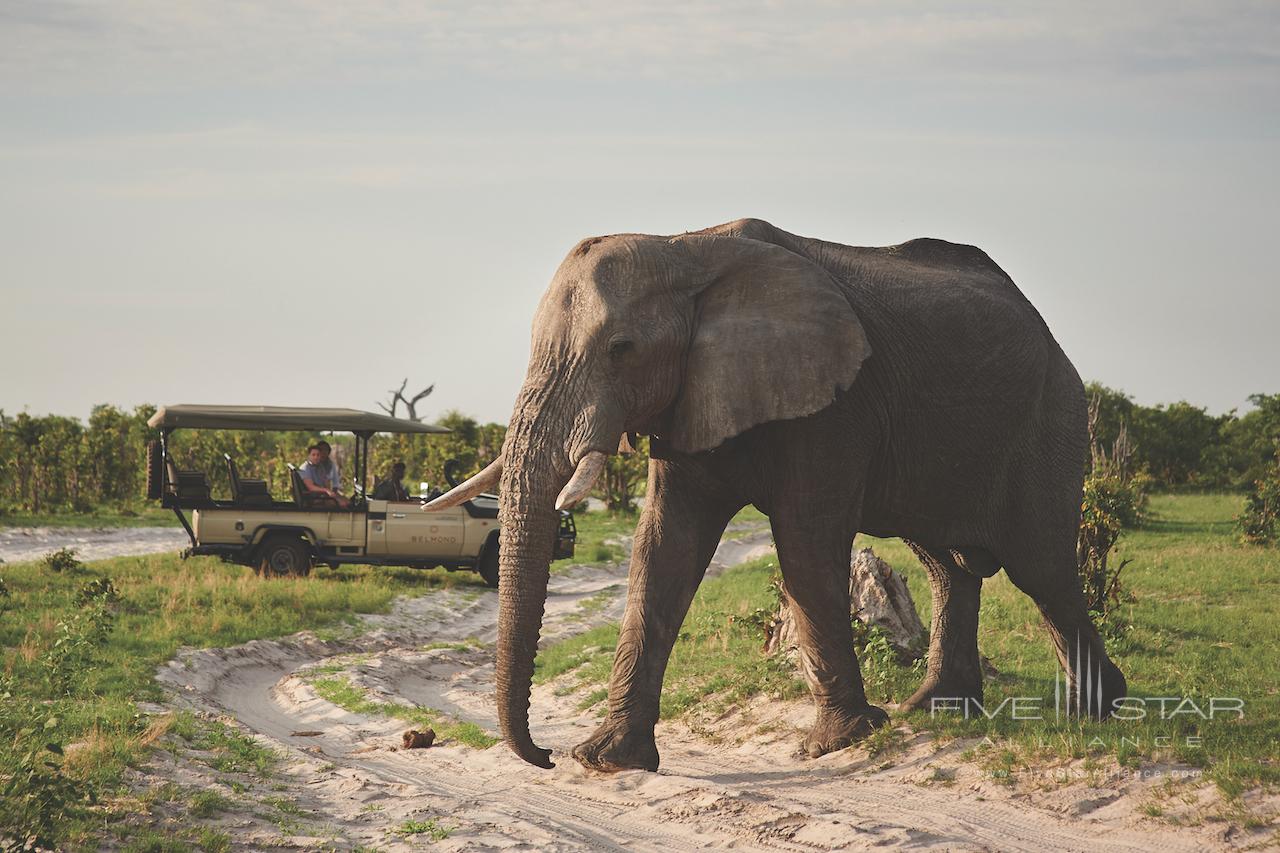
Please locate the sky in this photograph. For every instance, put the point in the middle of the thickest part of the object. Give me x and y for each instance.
(302, 203)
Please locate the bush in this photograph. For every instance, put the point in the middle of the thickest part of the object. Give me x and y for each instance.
(97, 591)
(62, 560)
(1260, 521)
(1114, 498)
(37, 798)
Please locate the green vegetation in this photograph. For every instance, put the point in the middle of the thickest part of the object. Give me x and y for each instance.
(1260, 521)
(80, 643)
(718, 653)
(1114, 500)
(1203, 622)
(1202, 619)
(85, 649)
(341, 692)
(429, 828)
(1182, 446)
(134, 514)
(56, 470)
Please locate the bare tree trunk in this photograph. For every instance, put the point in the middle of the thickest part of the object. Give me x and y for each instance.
(878, 597)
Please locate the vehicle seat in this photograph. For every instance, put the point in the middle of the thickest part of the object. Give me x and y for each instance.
(187, 485)
(300, 494)
(253, 492)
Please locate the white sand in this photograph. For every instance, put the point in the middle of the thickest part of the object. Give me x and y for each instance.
(18, 544)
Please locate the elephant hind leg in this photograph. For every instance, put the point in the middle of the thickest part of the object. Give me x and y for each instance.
(1093, 681)
(954, 669)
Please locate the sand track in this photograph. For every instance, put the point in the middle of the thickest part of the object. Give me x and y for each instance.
(19, 544)
(344, 772)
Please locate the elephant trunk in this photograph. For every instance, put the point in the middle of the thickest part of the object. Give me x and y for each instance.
(536, 469)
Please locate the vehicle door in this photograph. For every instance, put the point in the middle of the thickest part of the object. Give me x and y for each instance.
(346, 530)
(410, 532)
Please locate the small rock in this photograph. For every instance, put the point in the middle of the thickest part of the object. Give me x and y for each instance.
(414, 739)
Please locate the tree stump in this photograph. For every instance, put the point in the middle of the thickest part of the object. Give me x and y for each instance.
(878, 597)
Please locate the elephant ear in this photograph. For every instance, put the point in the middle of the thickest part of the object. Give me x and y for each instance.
(775, 338)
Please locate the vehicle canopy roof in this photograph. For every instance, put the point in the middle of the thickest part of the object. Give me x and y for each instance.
(301, 418)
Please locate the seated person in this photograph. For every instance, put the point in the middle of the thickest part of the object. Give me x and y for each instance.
(391, 489)
(320, 473)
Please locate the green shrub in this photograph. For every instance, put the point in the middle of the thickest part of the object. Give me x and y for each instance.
(97, 591)
(62, 560)
(1260, 521)
(1114, 498)
(37, 798)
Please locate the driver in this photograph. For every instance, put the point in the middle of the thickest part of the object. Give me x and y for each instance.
(320, 473)
(391, 489)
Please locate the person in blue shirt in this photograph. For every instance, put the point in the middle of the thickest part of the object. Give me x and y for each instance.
(320, 473)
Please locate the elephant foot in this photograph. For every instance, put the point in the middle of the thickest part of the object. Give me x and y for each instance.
(944, 693)
(835, 730)
(615, 747)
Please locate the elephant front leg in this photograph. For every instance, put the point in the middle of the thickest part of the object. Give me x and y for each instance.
(815, 574)
(677, 535)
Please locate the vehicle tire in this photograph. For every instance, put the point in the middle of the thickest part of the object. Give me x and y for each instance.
(488, 565)
(155, 470)
(284, 555)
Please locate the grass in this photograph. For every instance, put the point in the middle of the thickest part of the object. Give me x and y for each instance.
(146, 516)
(341, 692)
(429, 828)
(597, 526)
(107, 658)
(164, 603)
(718, 652)
(1205, 622)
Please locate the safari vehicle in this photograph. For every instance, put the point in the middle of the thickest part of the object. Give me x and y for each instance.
(286, 535)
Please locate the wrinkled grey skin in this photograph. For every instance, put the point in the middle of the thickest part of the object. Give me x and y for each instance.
(904, 391)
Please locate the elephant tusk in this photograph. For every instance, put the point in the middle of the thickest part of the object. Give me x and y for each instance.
(589, 468)
(467, 490)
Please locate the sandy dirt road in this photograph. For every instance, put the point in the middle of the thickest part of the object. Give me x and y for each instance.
(18, 544)
(737, 783)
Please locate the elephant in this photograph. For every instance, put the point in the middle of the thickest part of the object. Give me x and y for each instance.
(905, 391)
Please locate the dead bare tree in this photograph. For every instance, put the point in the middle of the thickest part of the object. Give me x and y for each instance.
(410, 403)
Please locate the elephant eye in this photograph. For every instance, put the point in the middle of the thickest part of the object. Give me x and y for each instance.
(619, 348)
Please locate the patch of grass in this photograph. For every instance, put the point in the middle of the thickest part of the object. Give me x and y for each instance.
(150, 841)
(467, 645)
(594, 698)
(594, 647)
(212, 841)
(206, 804)
(717, 652)
(228, 751)
(348, 696)
(163, 603)
(885, 740)
(592, 605)
(429, 828)
(148, 516)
